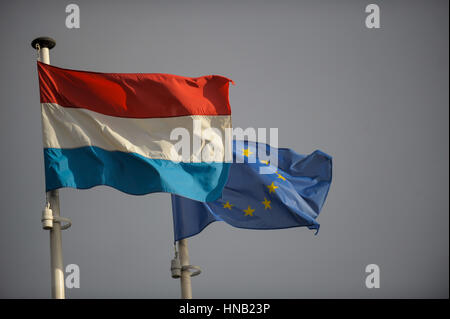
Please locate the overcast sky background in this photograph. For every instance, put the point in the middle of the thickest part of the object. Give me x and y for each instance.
(375, 100)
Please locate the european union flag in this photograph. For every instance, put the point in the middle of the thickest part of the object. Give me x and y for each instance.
(291, 196)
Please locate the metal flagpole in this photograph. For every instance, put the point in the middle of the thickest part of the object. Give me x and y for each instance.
(57, 266)
(185, 279)
(181, 268)
(51, 219)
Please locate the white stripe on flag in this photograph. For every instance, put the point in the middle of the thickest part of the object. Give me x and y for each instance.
(65, 127)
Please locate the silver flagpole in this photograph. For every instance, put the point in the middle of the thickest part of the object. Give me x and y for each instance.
(56, 258)
(181, 268)
(185, 279)
(51, 219)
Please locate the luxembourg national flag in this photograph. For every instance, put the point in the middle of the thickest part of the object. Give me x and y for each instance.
(116, 129)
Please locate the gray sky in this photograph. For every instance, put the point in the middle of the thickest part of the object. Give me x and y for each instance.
(376, 100)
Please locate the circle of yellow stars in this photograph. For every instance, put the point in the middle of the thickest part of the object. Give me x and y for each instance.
(272, 189)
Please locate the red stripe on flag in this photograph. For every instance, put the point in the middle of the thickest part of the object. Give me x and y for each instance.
(134, 95)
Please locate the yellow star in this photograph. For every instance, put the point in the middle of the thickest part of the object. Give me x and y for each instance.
(272, 188)
(281, 176)
(227, 205)
(249, 211)
(265, 162)
(266, 204)
(246, 152)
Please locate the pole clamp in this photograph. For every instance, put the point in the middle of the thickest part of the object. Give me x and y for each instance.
(193, 270)
(176, 268)
(48, 219)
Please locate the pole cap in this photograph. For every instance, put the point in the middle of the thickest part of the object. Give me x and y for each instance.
(44, 42)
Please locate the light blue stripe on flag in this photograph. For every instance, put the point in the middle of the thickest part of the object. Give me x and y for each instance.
(89, 166)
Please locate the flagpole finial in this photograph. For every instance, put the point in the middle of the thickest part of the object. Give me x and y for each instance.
(44, 42)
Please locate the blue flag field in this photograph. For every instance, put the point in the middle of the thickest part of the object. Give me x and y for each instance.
(292, 196)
